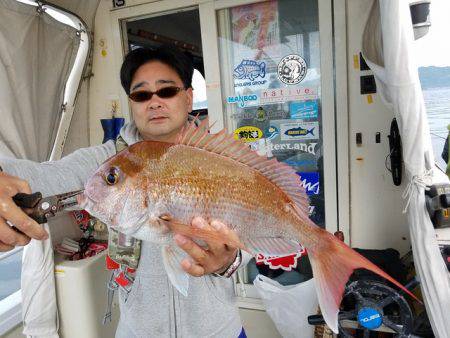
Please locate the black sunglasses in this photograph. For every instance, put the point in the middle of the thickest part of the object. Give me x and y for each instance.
(145, 95)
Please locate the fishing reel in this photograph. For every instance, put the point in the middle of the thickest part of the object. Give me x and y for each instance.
(370, 306)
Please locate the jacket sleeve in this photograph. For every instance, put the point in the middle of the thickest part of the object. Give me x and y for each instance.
(39, 308)
(54, 177)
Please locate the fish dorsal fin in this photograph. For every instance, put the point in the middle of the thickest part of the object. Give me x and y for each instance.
(226, 145)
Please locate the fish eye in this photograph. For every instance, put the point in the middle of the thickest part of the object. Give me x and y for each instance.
(112, 176)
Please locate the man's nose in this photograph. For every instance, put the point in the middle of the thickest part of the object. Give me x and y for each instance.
(154, 102)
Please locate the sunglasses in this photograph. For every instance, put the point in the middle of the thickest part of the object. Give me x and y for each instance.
(146, 95)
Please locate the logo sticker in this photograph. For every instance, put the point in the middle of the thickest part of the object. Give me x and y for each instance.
(242, 100)
(248, 133)
(261, 115)
(289, 146)
(304, 109)
(299, 130)
(292, 69)
(271, 132)
(310, 181)
(286, 263)
(277, 95)
(249, 69)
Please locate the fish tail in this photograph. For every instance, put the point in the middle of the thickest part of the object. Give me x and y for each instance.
(333, 262)
(311, 131)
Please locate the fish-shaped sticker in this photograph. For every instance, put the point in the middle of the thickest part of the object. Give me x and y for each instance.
(249, 69)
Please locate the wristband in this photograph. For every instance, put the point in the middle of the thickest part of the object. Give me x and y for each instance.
(233, 267)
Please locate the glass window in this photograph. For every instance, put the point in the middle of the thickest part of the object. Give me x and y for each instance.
(433, 58)
(10, 267)
(270, 71)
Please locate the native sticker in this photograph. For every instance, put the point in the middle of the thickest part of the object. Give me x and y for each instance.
(280, 95)
(299, 130)
(248, 133)
(310, 181)
(304, 109)
(292, 69)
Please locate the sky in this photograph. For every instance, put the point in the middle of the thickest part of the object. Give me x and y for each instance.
(434, 48)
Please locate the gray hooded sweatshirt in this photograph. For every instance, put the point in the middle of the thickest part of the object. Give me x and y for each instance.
(153, 308)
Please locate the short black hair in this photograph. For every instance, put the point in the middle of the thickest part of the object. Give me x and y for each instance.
(169, 55)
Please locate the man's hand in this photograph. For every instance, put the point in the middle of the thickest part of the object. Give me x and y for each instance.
(215, 258)
(9, 211)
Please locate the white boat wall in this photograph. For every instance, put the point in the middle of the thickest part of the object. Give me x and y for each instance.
(360, 198)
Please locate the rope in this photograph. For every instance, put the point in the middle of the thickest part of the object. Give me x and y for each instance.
(417, 181)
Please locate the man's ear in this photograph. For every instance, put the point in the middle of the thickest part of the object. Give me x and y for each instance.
(190, 95)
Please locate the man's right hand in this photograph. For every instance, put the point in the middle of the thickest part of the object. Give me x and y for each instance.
(9, 211)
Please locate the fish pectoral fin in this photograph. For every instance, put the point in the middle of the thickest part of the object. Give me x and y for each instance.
(172, 258)
(271, 246)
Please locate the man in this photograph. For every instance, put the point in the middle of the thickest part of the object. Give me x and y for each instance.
(159, 86)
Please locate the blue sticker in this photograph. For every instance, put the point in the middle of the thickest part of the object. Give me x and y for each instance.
(271, 132)
(304, 109)
(249, 69)
(242, 100)
(301, 163)
(299, 131)
(370, 318)
(310, 181)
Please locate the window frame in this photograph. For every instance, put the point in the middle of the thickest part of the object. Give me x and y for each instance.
(11, 306)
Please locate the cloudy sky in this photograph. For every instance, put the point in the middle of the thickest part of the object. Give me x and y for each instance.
(434, 48)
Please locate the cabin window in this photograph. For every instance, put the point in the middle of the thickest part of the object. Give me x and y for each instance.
(271, 87)
(60, 91)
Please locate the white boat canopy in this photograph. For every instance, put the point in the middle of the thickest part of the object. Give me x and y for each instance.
(388, 50)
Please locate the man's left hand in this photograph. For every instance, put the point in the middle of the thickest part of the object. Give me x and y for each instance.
(216, 257)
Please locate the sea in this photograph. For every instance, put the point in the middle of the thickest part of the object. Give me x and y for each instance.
(437, 102)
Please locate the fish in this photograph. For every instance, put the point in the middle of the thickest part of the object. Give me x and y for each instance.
(154, 189)
(299, 131)
(249, 69)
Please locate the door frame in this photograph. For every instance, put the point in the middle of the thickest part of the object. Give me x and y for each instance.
(332, 28)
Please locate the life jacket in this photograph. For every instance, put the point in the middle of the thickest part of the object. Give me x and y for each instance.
(124, 252)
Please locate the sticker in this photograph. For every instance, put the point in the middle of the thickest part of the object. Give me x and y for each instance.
(310, 181)
(304, 109)
(301, 163)
(299, 130)
(356, 61)
(249, 69)
(292, 69)
(242, 100)
(280, 147)
(271, 132)
(261, 115)
(277, 95)
(369, 99)
(286, 263)
(248, 134)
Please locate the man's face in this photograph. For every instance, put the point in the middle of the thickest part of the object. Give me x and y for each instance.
(160, 119)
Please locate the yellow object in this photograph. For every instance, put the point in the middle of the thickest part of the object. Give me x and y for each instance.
(369, 99)
(356, 61)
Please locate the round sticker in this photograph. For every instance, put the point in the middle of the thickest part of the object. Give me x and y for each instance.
(292, 69)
